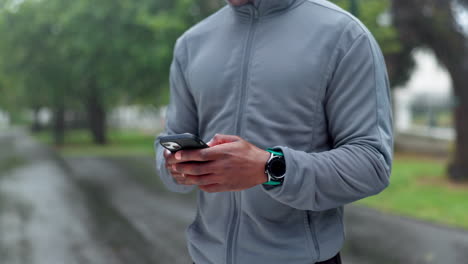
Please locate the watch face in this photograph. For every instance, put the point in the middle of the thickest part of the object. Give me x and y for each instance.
(277, 167)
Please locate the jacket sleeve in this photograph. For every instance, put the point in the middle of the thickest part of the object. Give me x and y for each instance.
(181, 116)
(358, 112)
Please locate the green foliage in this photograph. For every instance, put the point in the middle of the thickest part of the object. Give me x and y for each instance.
(376, 15)
(420, 189)
(122, 143)
(9, 163)
(55, 52)
(84, 55)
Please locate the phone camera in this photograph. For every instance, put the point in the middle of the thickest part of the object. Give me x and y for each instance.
(171, 146)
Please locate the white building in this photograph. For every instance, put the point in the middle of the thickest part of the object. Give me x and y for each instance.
(4, 119)
(431, 79)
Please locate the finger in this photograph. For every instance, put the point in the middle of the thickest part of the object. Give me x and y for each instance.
(207, 154)
(212, 188)
(166, 153)
(219, 139)
(202, 179)
(194, 168)
(178, 177)
(170, 167)
(170, 158)
(181, 178)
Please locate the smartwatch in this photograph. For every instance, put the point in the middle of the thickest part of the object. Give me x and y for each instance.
(275, 167)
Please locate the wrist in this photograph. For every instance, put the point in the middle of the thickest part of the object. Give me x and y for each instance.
(262, 160)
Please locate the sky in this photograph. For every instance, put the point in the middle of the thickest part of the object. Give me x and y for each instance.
(461, 15)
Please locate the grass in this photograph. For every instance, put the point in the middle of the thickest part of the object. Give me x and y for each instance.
(121, 143)
(9, 163)
(420, 189)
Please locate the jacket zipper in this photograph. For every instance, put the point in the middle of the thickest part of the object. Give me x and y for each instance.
(233, 231)
(246, 68)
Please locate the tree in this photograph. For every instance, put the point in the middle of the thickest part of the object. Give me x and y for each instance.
(30, 65)
(376, 15)
(432, 24)
(88, 55)
(112, 52)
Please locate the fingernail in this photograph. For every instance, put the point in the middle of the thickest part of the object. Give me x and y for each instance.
(182, 175)
(174, 168)
(178, 156)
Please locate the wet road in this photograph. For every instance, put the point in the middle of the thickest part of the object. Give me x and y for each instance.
(387, 239)
(43, 217)
(85, 210)
(114, 210)
(159, 217)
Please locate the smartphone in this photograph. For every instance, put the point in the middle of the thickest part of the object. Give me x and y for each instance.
(184, 141)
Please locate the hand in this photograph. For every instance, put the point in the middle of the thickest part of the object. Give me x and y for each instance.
(230, 164)
(178, 177)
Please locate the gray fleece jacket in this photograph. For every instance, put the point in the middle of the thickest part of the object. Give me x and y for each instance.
(301, 75)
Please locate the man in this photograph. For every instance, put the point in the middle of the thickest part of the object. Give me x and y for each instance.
(303, 78)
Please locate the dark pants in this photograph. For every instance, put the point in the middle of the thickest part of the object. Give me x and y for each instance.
(335, 260)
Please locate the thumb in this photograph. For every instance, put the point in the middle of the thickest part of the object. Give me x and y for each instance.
(219, 139)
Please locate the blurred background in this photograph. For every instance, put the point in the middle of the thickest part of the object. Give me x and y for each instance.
(83, 90)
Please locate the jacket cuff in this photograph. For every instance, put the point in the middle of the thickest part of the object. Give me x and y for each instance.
(287, 189)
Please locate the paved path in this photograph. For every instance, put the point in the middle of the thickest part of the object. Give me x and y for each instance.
(375, 236)
(43, 217)
(158, 217)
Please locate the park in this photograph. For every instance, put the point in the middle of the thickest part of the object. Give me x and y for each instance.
(84, 88)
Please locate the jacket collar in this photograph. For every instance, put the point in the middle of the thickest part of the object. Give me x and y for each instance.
(262, 8)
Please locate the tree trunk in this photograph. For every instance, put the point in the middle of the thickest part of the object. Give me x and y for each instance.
(458, 169)
(96, 117)
(59, 125)
(36, 124)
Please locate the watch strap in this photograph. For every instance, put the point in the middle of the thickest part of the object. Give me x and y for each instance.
(275, 151)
